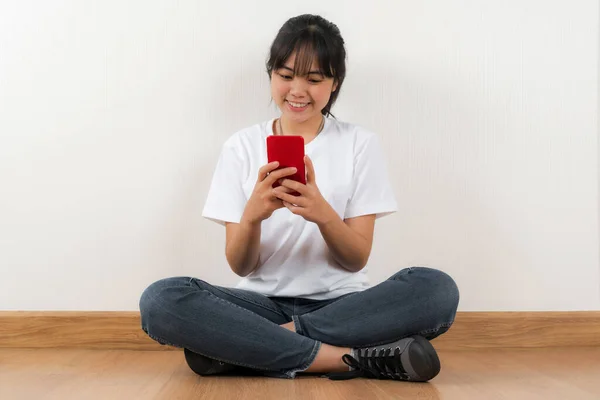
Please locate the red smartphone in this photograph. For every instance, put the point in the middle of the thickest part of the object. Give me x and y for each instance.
(289, 151)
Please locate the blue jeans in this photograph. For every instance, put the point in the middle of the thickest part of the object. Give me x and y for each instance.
(241, 327)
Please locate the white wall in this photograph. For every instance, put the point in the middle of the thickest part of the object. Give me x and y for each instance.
(112, 115)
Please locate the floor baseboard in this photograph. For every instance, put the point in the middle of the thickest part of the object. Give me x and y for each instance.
(471, 330)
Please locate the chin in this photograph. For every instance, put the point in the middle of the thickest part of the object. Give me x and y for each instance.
(298, 118)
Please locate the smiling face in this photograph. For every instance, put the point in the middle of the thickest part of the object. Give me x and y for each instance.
(301, 96)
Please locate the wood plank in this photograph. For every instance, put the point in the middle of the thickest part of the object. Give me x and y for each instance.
(471, 330)
(495, 374)
(91, 330)
(475, 330)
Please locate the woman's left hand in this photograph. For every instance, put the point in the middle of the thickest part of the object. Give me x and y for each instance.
(310, 205)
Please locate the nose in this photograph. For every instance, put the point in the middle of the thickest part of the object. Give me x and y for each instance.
(298, 88)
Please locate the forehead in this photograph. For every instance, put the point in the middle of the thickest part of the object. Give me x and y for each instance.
(303, 62)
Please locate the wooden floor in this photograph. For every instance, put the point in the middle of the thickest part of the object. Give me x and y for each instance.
(565, 373)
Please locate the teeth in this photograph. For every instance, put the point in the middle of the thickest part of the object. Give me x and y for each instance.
(298, 105)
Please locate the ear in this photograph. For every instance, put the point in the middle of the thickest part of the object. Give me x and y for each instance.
(335, 85)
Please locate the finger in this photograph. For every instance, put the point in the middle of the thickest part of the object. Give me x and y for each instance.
(295, 186)
(310, 170)
(284, 189)
(294, 209)
(278, 204)
(263, 172)
(289, 198)
(279, 174)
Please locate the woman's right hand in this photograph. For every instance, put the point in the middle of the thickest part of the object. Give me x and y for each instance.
(262, 203)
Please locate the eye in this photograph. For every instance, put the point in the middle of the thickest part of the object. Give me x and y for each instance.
(286, 77)
(314, 81)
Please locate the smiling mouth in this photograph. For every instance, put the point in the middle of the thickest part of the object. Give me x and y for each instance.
(297, 105)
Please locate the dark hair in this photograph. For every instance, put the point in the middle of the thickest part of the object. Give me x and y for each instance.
(311, 36)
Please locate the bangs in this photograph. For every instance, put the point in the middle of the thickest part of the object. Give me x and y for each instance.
(313, 40)
(309, 47)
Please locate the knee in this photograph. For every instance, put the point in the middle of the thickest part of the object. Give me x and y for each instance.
(152, 293)
(435, 287)
(157, 299)
(442, 285)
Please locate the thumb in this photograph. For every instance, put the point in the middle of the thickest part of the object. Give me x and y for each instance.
(310, 170)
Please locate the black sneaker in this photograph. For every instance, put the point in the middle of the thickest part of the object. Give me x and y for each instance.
(205, 366)
(409, 359)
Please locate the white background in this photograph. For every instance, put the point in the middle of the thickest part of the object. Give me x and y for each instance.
(113, 113)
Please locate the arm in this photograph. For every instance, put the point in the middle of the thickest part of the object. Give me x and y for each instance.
(349, 241)
(242, 246)
(372, 195)
(242, 241)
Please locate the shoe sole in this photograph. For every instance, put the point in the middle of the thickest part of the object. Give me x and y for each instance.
(205, 366)
(423, 359)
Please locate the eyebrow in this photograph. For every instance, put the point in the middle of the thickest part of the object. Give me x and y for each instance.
(311, 72)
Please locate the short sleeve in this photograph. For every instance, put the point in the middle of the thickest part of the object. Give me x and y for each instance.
(226, 199)
(371, 189)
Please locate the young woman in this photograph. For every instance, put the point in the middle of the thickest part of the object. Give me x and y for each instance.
(304, 303)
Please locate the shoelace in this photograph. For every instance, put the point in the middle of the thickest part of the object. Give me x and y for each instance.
(385, 365)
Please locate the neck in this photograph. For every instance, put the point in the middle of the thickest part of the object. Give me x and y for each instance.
(307, 129)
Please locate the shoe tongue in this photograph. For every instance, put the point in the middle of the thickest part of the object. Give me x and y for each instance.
(354, 354)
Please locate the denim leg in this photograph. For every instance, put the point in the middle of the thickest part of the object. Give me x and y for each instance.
(235, 326)
(414, 301)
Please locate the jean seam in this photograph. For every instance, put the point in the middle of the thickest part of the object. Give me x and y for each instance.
(158, 303)
(160, 340)
(292, 373)
(420, 333)
(332, 303)
(165, 342)
(298, 325)
(296, 318)
(402, 272)
(248, 300)
(240, 307)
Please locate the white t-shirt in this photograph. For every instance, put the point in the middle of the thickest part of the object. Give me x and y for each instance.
(294, 260)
